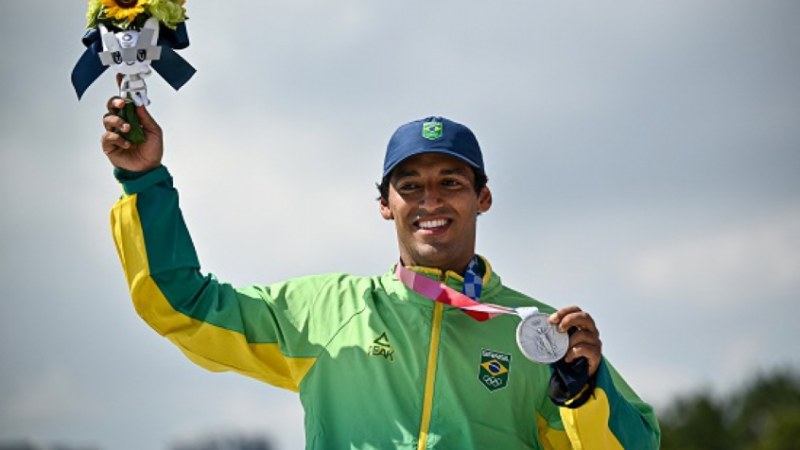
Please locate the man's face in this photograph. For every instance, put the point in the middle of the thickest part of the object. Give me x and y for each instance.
(433, 203)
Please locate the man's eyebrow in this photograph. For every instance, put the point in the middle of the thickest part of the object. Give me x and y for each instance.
(457, 171)
(405, 173)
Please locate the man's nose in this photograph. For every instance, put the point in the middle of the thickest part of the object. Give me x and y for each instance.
(431, 198)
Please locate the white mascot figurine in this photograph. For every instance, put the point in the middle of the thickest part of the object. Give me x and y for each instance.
(130, 53)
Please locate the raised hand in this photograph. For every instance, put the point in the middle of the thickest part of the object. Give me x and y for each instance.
(125, 154)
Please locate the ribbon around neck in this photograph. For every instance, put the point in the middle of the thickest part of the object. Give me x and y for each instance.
(171, 66)
(442, 293)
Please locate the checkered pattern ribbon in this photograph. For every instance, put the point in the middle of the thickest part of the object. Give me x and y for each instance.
(442, 293)
(473, 283)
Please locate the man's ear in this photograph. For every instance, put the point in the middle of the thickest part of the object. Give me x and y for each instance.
(484, 200)
(386, 212)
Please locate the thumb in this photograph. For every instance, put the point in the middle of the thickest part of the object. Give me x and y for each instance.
(145, 119)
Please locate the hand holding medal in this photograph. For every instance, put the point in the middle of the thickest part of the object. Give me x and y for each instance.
(131, 36)
(579, 330)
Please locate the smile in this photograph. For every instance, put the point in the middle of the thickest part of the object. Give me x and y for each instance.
(432, 224)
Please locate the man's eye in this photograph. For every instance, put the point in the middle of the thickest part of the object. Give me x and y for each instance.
(451, 183)
(408, 187)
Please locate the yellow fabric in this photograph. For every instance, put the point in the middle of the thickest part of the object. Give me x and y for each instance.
(587, 426)
(578, 395)
(450, 273)
(430, 377)
(283, 371)
(488, 273)
(428, 270)
(551, 438)
(222, 349)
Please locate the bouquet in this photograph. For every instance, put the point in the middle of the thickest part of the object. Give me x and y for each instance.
(131, 36)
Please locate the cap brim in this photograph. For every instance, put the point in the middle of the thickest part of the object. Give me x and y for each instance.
(391, 167)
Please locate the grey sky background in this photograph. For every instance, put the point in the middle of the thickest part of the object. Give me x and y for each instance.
(643, 158)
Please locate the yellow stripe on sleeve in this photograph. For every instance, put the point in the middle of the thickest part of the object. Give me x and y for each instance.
(551, 438)
(587, 426)
(212, 347)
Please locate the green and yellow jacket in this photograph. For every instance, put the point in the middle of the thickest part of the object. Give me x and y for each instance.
(377, 366)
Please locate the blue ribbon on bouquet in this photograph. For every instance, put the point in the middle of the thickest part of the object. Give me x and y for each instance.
(171, 66)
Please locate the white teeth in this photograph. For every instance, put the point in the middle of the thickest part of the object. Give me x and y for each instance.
(432, 223)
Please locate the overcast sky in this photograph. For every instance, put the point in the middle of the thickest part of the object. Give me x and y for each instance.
(643, 156)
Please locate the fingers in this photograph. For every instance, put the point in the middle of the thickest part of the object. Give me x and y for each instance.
(585, 340)
(584, 343)
(557, 316)
(572, 316)
(112, 142)
(113, 122)
(115, 104)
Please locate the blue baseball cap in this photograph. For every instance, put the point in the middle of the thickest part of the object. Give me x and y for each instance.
(432, 135)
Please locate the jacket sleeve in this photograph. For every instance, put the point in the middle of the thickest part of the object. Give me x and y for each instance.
(614, 417)
(263, 332)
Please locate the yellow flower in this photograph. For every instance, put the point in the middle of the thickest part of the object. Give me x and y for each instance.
(123, 9)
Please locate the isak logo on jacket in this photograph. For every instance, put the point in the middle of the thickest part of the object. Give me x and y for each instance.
(381, 347)
(494, 367)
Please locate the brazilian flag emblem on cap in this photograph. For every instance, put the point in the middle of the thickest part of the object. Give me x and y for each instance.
(432, 130)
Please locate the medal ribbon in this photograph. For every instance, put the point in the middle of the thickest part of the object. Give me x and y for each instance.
(442, 293)
(473, 283)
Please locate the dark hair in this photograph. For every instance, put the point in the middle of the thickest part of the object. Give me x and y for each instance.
(480, 182)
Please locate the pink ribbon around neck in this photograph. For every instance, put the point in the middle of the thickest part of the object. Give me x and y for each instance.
(442, 293)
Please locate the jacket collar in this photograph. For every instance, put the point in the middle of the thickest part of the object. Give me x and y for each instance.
(491, 282)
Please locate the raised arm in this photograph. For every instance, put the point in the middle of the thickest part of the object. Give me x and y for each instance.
(262, 332)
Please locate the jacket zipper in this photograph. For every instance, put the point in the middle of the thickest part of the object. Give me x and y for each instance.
(430, 378)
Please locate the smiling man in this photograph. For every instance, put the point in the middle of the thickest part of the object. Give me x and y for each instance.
(433, 201)
(381, 362)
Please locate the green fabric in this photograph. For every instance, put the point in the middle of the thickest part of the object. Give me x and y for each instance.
(371, 337)
(134, 182)
(627, 408)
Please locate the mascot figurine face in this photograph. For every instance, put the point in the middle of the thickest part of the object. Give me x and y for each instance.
(129, 53)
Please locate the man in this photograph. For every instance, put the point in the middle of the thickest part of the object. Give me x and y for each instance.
(379, 362)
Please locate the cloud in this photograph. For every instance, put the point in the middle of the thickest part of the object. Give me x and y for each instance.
(726, 266)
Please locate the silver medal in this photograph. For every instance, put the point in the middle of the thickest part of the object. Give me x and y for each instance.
(540, 341)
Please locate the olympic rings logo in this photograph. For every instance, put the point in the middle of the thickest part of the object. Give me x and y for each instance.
(493, 381)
